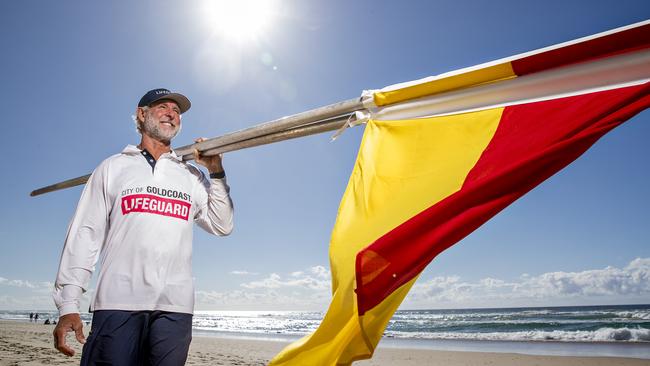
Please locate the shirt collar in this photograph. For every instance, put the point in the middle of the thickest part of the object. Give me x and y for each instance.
(132, 149)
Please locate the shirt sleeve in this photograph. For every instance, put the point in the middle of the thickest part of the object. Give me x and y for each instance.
(83, 243)
(215, 210)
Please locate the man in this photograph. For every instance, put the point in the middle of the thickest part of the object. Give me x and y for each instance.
(136, 215)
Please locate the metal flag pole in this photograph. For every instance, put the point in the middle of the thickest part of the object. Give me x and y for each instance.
(319, 120)
(333, 110)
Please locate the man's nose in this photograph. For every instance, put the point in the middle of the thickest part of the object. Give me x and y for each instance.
(171, 114)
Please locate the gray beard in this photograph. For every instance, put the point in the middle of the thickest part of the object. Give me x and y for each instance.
(151, 127)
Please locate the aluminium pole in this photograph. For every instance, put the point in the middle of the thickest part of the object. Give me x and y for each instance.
(277, 125)
(330, 124)
(300, 131)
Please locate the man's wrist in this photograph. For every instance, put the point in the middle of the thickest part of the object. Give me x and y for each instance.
(217, 174)
(68, 309)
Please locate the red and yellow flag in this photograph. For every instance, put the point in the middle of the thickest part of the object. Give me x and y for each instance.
(423, 182)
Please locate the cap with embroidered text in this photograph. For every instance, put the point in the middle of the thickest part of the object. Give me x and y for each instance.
(162, 93)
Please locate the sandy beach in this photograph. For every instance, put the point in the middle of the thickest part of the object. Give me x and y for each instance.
(31, 344)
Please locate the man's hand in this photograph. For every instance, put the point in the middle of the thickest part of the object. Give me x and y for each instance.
(68, 323)
(212, 163)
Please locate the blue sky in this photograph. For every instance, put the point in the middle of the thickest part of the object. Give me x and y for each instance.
(72, 73)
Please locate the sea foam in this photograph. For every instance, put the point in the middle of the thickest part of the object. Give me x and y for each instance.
(599, 335)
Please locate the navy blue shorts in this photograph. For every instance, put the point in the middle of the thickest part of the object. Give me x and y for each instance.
(130, 338)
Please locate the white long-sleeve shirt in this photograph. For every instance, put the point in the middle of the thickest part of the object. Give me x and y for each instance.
(137, 220)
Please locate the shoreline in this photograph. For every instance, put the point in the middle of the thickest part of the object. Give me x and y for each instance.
(637, 350)
(24, 343)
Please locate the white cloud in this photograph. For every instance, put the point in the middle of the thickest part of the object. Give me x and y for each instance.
(275, 281)
(306, 289)
(632, 281)
(272, 281)
(314, 278)
(25, 284)
(309, 288)
(243, 273)
(320, 272)
(264, 299)
(18, 302)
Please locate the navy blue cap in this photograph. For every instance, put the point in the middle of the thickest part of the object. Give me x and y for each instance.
(162, 93)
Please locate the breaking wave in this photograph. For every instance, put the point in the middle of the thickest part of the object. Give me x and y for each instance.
(599, 335)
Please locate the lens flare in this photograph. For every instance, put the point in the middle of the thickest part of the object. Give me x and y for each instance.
(240, 20)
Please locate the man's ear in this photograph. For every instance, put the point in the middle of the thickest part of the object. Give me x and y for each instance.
(139, 114)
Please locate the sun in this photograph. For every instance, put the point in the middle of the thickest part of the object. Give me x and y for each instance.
(239, 20)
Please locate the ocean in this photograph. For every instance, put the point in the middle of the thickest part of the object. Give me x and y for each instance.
(621, 330)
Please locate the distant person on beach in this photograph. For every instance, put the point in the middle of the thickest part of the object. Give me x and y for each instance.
(136, 213)
(47, 321)
(36, 317)
(31, 316)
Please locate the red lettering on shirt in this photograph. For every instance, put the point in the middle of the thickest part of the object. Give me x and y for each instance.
(156, 205)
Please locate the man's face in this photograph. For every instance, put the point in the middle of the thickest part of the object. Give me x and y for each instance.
(162, 121)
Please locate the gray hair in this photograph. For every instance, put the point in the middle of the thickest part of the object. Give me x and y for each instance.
(138, 122)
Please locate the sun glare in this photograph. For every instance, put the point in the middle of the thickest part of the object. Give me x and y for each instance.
(239, 20)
